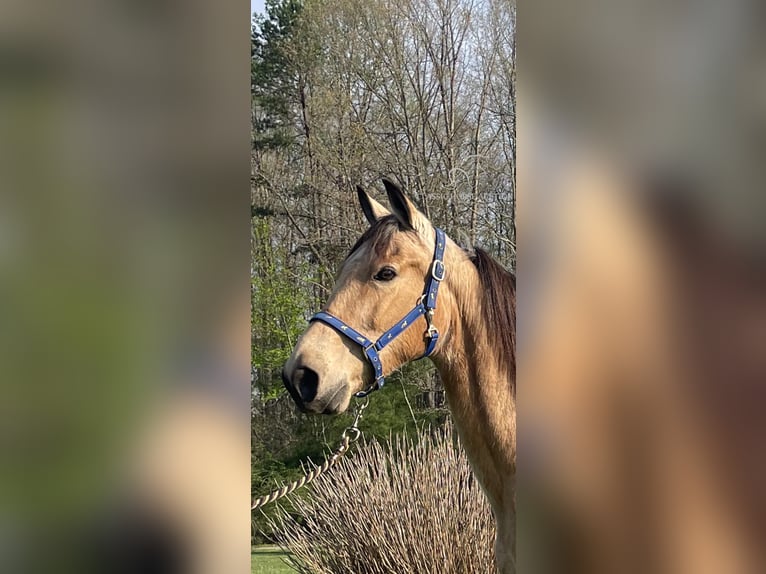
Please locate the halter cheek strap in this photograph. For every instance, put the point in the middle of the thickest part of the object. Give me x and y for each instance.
(426, 306)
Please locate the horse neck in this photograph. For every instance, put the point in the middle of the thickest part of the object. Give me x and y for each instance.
(466, 356)
(478, 386)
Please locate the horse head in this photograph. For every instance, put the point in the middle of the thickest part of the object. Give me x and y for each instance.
(381, 313)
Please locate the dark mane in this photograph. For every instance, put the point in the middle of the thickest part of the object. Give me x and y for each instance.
(379, 234)
(499, 311)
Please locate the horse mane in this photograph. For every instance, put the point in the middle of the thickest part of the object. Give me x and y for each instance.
(499, 309)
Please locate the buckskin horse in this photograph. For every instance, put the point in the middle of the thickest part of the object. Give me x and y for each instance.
(407, 291)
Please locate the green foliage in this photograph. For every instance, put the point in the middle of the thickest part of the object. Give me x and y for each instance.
(277, 306)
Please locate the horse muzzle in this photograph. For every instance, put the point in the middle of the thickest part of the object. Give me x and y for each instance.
(303, 385)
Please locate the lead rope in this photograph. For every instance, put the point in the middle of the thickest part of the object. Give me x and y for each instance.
(350, 435)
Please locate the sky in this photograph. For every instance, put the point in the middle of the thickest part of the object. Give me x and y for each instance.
(256, 6)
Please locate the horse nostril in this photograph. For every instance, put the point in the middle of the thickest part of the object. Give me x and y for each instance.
(306, 382)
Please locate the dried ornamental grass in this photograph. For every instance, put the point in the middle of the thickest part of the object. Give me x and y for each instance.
(408, 507)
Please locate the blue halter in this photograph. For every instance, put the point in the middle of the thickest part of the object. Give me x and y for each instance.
(425, 306)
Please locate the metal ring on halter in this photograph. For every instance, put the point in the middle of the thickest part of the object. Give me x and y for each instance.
(365, 393)
(431, 328)
(352, 434)
(360, 409)
(438, 270)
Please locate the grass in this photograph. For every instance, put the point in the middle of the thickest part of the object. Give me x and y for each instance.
(269, 560)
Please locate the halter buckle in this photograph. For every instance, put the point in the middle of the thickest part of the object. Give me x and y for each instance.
(431, 331)
(438, 270)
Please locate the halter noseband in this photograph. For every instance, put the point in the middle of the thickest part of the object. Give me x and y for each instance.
(425, 306)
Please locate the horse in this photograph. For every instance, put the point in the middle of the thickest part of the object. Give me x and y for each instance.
(458, 308)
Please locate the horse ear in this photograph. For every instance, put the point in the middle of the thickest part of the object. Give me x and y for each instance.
(404, 210)
(372, 209)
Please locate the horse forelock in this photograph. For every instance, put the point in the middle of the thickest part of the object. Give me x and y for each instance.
(378, 235)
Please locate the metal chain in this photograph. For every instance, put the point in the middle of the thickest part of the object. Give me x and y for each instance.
(350, 435)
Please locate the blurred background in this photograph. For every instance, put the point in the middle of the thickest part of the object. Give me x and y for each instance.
(642, 316)
(124, 243)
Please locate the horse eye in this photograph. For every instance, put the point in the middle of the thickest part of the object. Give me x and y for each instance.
(385, 274)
